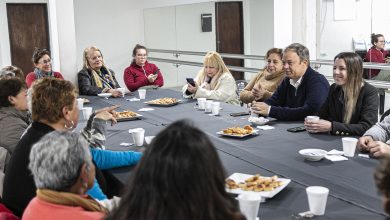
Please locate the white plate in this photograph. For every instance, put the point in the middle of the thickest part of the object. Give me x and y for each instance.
(241, 177)
(313, 154)
(258, 120)
(104, 95)
(254, 132)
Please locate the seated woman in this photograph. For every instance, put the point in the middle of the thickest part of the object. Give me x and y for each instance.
(42, 62)
(351, 107)
(180, 160)
(14, 117)
(63, 171)
(267, 80)
(382, 179)
(214, 81)
(54, 107)
(11, 71)
(95, 77)
(141, 72)
(377, 54)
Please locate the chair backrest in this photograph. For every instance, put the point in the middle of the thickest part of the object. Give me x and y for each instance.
(386, 113)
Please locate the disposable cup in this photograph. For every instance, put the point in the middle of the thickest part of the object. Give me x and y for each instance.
(215, 108)
(349, 146)
(80, 103)
(87, 111)
(253, 114)
(148, 139)
(138, 136)
(142, 93)
(208, 104)
(317, 196)
(201, 103)
(249, 205)
(312, 118)
(122, 90)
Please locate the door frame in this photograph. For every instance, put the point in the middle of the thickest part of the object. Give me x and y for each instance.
(5, 49)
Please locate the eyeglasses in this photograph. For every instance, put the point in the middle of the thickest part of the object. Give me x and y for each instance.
(45, 61)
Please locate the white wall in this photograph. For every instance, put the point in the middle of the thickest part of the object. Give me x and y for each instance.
(115, 27)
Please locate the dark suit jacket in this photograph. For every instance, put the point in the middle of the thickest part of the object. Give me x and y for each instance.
(364, 116)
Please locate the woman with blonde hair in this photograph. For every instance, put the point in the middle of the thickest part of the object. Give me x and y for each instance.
(267, 80)
(351, 107)
(96, 77)
(214, 81)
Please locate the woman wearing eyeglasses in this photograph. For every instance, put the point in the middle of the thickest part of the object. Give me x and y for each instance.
(376, 54)
(42, 62)
(141, 72)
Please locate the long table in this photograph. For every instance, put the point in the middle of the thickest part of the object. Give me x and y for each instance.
(352, 195)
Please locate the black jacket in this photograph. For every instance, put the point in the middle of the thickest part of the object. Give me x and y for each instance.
(87, 84)
(364, 116)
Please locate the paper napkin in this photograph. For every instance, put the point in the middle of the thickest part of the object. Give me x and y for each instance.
(146, 109)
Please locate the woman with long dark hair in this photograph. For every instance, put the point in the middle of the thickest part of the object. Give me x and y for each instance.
(351, 107)
(179, 177)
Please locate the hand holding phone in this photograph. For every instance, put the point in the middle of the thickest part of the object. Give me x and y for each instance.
(155, 72)
(191, 81)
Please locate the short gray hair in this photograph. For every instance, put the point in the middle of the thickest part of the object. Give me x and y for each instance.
(300, 50)
(56, 160)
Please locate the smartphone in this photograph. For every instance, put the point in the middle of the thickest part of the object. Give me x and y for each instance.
(296, 129)
(191, 81)
(155, 72)
(236, 114)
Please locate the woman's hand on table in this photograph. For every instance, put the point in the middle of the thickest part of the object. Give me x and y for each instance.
(363, 143)
(115, 92)
(318, 126)
(379, 149)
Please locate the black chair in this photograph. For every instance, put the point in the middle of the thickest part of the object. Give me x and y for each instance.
(387, 112)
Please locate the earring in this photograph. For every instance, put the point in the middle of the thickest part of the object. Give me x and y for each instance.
(69, 127)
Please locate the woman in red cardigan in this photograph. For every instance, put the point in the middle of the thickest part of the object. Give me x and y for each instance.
(141, 72)
(376, 54)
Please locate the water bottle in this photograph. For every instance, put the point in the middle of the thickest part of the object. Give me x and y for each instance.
(240, 86)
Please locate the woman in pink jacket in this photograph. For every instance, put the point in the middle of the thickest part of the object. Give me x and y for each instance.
(140, 72)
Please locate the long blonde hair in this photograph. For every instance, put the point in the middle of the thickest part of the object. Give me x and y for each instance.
(213, 59)
(352, 87)
(86, 66)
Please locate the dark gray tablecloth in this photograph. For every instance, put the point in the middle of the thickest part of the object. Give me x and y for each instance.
(352, 190)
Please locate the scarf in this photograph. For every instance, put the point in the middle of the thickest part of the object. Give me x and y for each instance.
(209, 84)
(70, 199)
(40, 74)
(103, 78)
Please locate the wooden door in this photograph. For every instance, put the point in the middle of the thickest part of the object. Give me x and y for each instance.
(229, 31)
(28, 28)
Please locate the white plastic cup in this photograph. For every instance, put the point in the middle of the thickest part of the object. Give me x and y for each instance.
(253, 114)
(249, 205)
(349, 146)
(201, 103)
(80, 103)
(215, 108)
(87, 111)
(312, 118)
(138, 136)
(208, 104)
(122, 90)
(142, 93)
(317, 197)
(148, 139)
